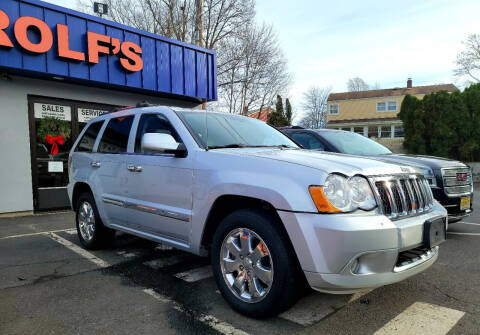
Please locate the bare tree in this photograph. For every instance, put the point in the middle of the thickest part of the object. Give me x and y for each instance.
(251, 67)
(468, 61)
(357, 84)
(315, 102)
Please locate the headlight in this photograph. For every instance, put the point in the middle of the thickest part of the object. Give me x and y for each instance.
(340, 194)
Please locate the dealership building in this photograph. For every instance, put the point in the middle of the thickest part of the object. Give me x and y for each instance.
(60, 68)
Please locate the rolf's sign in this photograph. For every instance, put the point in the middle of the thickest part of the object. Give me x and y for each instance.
(129, 53)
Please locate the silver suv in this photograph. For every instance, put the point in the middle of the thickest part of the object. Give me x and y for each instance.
(272, 216)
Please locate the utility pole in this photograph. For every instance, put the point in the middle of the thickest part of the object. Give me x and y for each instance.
(199, 31)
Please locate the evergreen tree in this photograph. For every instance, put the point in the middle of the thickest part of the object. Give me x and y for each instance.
(288, 111)
(277, 118)
(471, 99)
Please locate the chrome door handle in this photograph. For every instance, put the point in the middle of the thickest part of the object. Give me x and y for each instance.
(133, 168)
(95, 164)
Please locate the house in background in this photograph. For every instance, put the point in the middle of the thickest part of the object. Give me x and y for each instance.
(373, 113)
(263, 114)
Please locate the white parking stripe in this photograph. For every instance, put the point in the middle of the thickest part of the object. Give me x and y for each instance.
(422, 318)
(468, 234)
(309, 310)
(220, 326)
(470, 223)
(80, 251)
(196, 274)
(40, 233)
(163, 262)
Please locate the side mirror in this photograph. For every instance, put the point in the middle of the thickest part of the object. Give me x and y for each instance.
(163, 143)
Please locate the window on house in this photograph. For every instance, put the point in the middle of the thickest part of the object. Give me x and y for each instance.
(358, 130)
(333, 109)
(381, 106)
(373, 131)
(386, 132)
(398, 132)
(392, 106)
(346, 129)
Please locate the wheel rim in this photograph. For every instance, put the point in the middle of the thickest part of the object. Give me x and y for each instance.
(246, 265)
(86, 221)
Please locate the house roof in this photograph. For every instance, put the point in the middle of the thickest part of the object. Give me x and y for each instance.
(393, 92)
(263, 114)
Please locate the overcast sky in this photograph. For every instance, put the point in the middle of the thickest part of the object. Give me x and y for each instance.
(385, 42)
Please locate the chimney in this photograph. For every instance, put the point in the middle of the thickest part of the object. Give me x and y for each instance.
(409, 83)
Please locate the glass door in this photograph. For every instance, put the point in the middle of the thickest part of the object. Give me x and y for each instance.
(51, 139)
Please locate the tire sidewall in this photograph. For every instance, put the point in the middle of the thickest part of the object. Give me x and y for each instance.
(284, 268)
(97, 235)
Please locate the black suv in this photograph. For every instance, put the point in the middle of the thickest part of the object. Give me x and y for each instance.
(450, 180)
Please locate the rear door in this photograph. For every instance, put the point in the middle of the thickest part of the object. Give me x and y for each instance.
(110, 165)
(159, 186)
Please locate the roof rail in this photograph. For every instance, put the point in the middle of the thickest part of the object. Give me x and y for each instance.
(290, 127)
(144, 103)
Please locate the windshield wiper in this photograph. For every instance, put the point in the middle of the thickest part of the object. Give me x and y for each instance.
(233, 145)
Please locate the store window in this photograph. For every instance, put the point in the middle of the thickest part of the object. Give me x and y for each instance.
(88, 139)
(115, 137)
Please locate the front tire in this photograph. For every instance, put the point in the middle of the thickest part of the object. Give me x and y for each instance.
(90, 229)
(253, 264)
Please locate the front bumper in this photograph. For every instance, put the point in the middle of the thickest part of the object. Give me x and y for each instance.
(452, 203)
(343, 253)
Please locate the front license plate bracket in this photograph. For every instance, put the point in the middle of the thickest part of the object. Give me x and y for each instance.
(434, 232)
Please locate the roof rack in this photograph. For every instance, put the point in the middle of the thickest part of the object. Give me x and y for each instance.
(290, 127)
(144, 103)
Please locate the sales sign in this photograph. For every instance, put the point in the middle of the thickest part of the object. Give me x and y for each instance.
(60, 112)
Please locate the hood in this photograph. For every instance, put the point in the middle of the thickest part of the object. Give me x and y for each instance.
(432, 162)
(328, 162)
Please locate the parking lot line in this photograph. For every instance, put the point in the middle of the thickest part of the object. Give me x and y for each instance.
(468, 234)
(39, 233)
(422, 318)
(220, 326)
(470, 223)
(196, 274)
(80, 251)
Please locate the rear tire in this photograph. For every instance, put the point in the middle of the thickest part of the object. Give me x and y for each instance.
(253, 264)
(90, 229)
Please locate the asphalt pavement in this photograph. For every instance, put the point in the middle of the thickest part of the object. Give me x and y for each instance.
(50, 285)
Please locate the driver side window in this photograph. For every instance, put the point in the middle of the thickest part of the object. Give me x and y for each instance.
(308, 141)
(153, 123)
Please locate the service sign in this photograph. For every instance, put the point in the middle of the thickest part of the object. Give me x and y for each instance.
(86, 114)
(60, 112)
(129, 53)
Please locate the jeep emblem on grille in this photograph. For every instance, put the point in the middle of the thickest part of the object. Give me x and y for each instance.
(462, 176)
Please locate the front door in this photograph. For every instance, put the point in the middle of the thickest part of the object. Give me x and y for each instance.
(159, 186)
(54, 127)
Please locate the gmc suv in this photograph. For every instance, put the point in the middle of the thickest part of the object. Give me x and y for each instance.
(271, 215)
(450, 180)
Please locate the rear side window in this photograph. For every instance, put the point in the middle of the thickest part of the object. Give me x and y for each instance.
(153, 123)
(115, 136)
(88, 139)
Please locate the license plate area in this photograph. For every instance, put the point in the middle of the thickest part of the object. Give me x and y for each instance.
(464, 203)
(434, 233)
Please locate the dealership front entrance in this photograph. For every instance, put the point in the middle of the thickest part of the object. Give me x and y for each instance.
(59, 69)
(54, 127)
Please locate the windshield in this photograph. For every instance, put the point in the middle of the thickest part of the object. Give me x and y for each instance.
(227, 130)
(354, 144)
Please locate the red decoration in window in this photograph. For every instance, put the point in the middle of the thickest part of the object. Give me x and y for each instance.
(54, 142)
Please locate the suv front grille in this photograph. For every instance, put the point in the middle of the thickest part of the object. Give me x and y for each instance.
(457, 181)
(403, 196)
